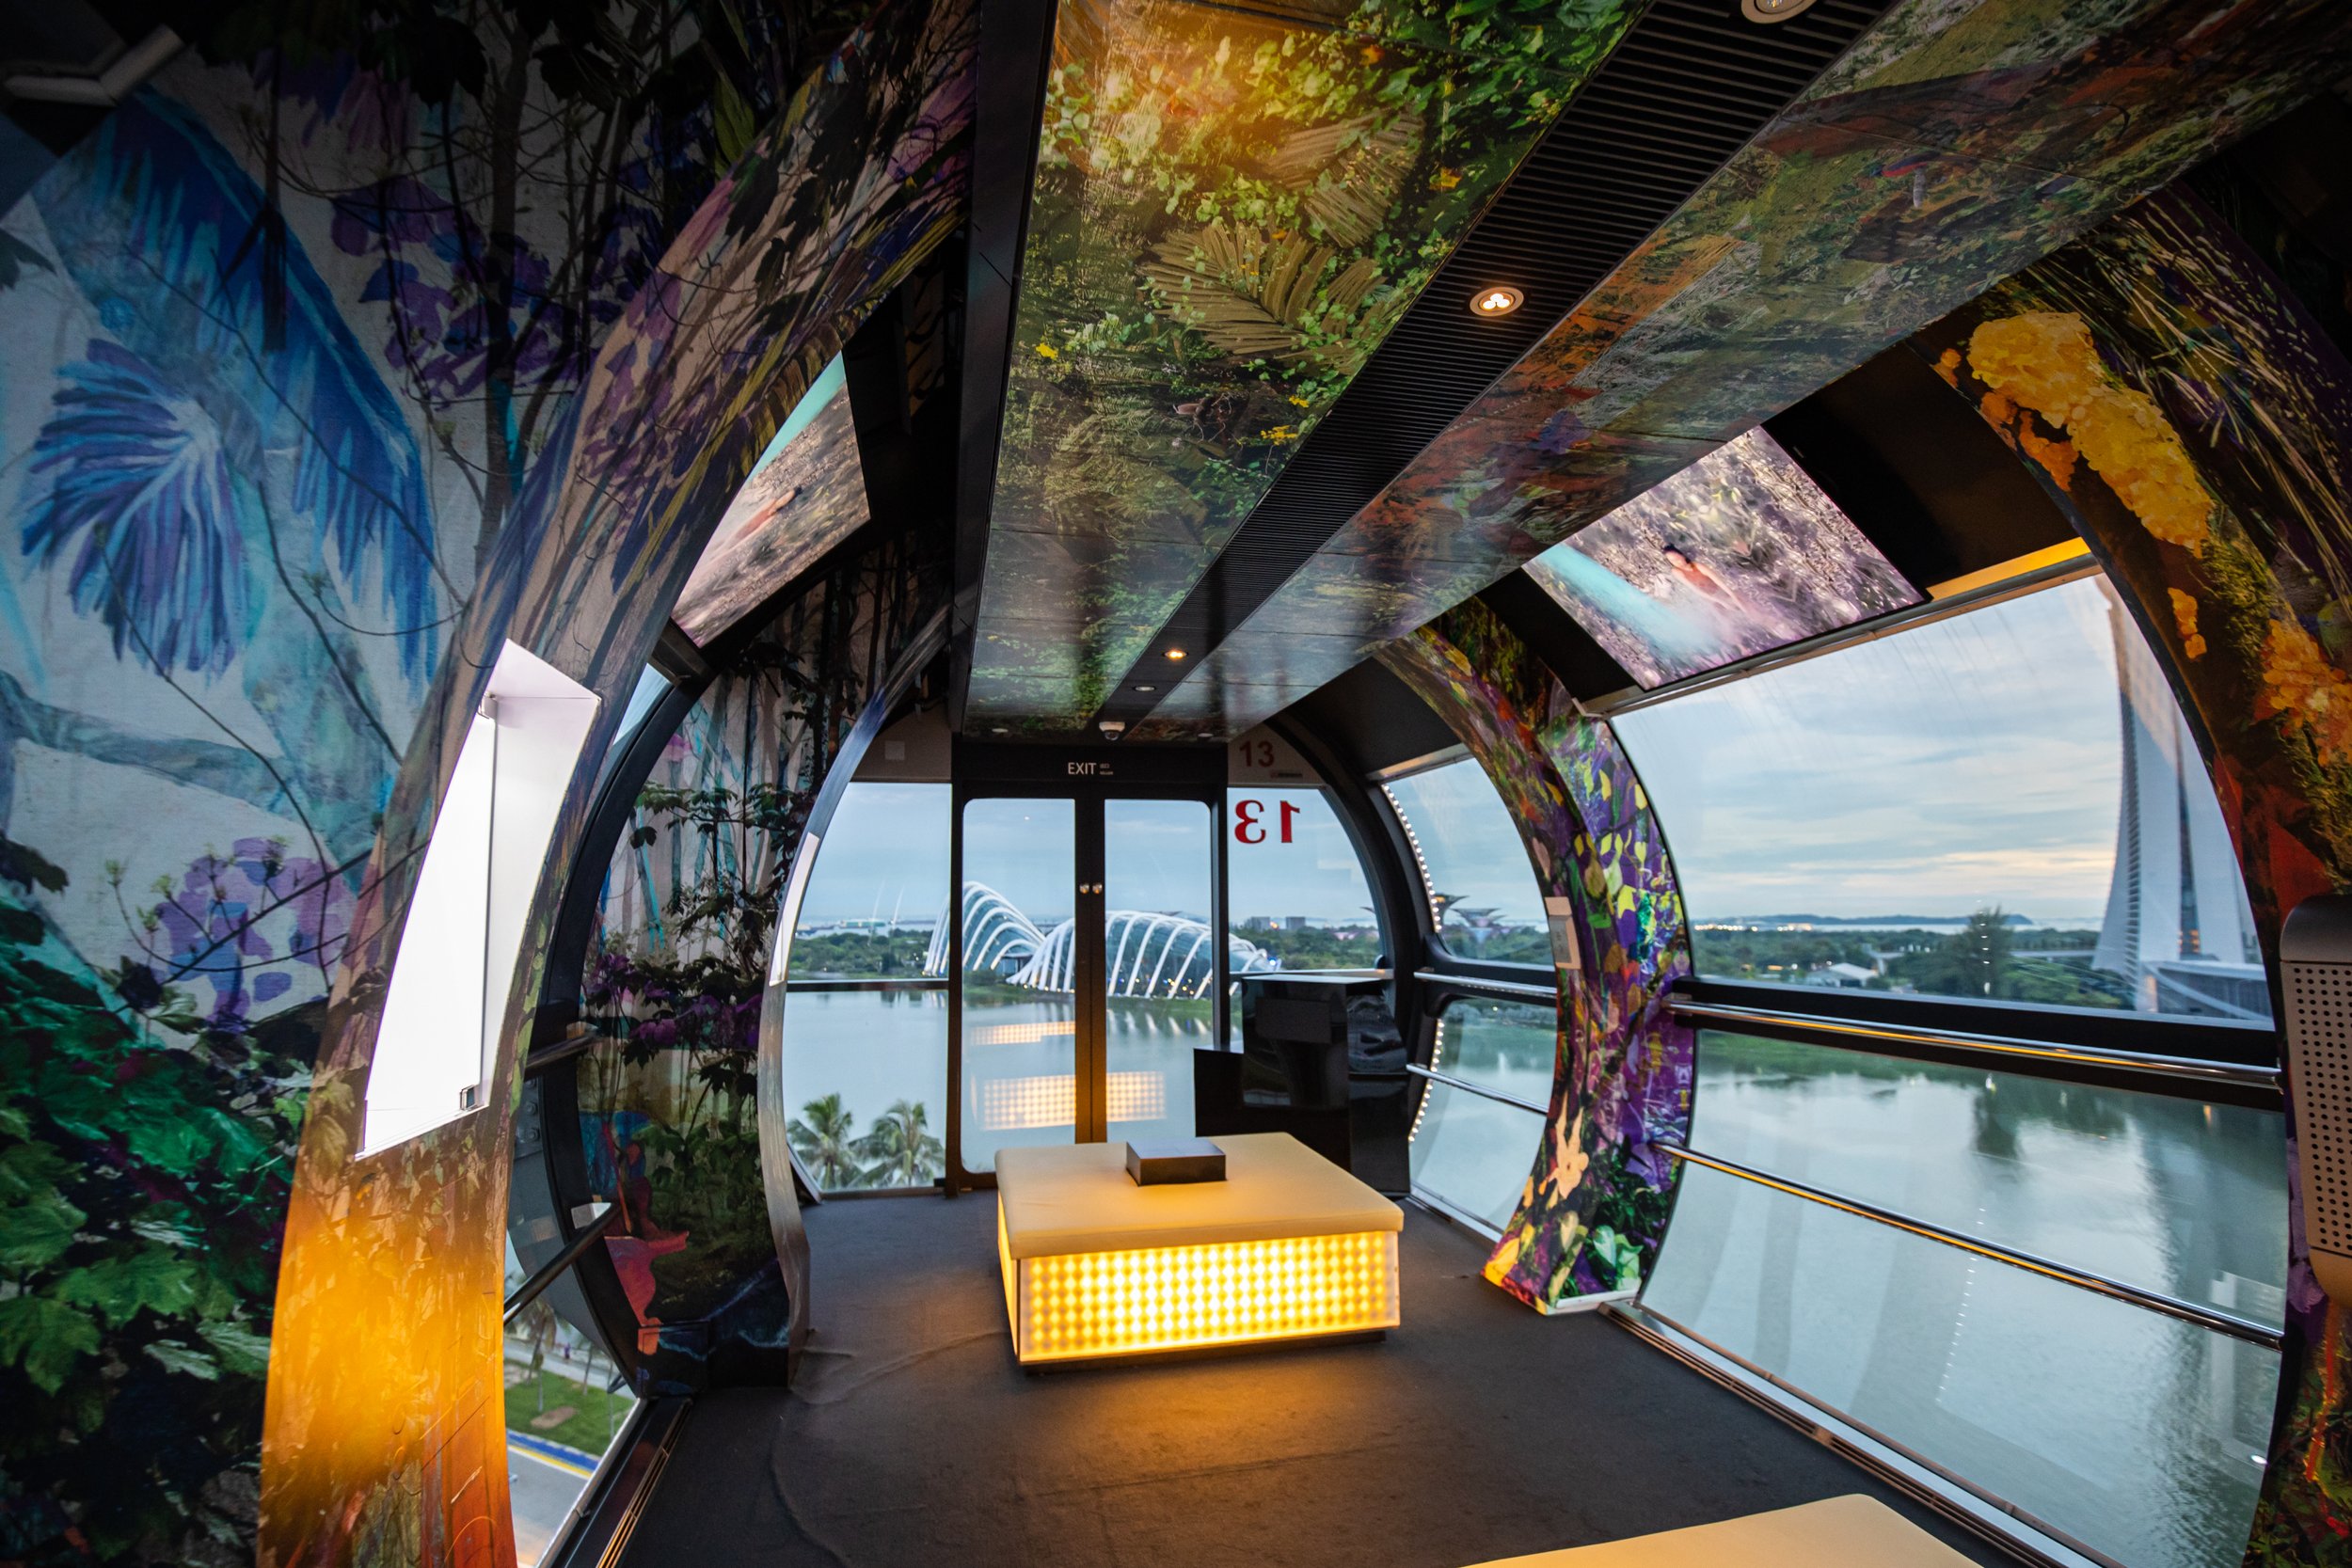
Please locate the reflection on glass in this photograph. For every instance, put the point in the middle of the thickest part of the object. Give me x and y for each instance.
(2137, 1434)
(2164, 1194)
(565, 1406)
(2006, 804)
(1473, 1154)
(1473, 862)
(865, 1071)
(1159, 957)
(1020, 1028)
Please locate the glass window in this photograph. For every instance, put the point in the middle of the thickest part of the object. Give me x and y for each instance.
(865, 1069)
(1474, 864)
(1473, 1154)
(1504, 1045)
(2139, 1434)
(2164, 1194)
(1019, 1016)
(2004, 804)
(565, 1406)
(1295, 895)
(1159, 953)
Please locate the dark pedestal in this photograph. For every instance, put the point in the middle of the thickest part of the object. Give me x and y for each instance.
(1321, 1060)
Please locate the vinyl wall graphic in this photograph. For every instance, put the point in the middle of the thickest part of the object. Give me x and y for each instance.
(1740, 553)
(805, 495)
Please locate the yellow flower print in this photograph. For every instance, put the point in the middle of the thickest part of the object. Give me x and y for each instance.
(2184, 621)
(2045, 360)
(2302, 687)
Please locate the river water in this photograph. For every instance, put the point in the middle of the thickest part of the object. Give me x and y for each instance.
(2135, 1434)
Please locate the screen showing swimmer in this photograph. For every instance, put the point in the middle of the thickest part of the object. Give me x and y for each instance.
(1738, 554)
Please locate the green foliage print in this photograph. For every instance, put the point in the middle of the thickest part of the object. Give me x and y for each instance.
(143, 1179)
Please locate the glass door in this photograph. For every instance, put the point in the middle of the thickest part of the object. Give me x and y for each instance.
(1089, 956)
(1020, 985)
(1160, 969)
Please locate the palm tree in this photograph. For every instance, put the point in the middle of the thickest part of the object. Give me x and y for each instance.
(823, 1140)
(902, 1148)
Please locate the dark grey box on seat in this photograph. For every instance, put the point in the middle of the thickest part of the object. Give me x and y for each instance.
(1157, 1162)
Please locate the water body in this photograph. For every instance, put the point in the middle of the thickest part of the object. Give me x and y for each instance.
(2135, 1434)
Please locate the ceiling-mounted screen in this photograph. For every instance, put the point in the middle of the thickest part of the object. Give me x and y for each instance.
(1738, 554)
(804, 496)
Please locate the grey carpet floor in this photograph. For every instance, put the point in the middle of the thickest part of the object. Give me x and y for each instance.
(1478, 1430)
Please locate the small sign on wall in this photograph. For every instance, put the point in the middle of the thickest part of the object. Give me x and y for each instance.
(1261, 757)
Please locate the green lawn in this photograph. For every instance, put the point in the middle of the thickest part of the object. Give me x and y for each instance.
(585, 1428)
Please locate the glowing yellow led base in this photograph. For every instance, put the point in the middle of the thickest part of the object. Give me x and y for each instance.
(1086, 1305)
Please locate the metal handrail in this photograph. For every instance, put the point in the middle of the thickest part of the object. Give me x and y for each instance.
(552, 1270)
(1468, 1088)
(916, 982)
(2099, 1284)
(2190, 1068)
(1511, 990)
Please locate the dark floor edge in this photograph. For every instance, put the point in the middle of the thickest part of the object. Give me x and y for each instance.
(598, 1531)
(1997, 1524)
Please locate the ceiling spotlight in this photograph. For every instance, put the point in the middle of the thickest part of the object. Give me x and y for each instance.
(1000, 729)
(1500, 300)
(1176, 653)
(1145, 686)
(1773, 10)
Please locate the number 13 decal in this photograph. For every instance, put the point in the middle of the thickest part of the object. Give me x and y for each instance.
(1250, 826)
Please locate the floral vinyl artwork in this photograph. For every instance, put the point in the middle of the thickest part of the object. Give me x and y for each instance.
(2185, 411)
(1740, 553)
(1593, 1211)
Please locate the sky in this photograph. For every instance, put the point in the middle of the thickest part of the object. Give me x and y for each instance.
(1952, 767)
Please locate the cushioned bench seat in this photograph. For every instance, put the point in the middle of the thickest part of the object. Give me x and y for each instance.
(1849, 1533)
(1287, 1247)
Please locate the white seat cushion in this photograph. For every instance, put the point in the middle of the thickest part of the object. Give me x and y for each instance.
(1062, 1198)
(1835, 1532)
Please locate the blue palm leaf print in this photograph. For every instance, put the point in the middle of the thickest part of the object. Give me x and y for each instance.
(136, 473)
(155, 222)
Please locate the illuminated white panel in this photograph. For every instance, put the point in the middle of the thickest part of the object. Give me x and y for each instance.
(458, 950)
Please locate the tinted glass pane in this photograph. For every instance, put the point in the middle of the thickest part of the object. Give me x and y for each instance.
(1293, 888)
(878, 890)
(1506, 1045)
(1941, 810)
(1473, 1153)
(865, 1071)
(1160, 960)
(1020, 1024)
(1474, 862)
(2166, 1193)
(563, 1410)
(2139, 1434)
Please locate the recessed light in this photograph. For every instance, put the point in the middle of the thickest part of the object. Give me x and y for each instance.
(1773, 10)
(1176, 653)
(1498, 300)
(1000, 729)
(1145, 686)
